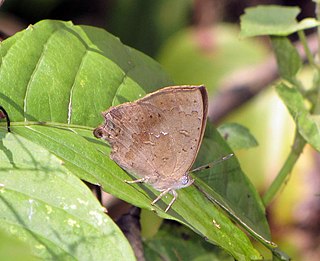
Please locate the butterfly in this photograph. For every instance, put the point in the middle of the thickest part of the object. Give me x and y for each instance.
(157, 138)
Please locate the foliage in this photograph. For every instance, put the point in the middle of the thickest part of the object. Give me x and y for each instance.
(55, 102)
(55, 78)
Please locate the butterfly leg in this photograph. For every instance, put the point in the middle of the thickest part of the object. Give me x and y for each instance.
(173, 192)
(175, 195)
(136, 180)
(160, 196)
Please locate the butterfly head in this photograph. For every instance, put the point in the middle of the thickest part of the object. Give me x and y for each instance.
(184, 181)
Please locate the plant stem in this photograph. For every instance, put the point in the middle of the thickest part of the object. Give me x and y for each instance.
(299, 141)
(317, 11)
(306, 48)
(316, 106)
(284, 173)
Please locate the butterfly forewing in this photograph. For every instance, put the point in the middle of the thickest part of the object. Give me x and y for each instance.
(158, 136)
(184, 111)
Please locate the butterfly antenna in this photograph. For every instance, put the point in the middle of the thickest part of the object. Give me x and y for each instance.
(4, 114)
(207, 166)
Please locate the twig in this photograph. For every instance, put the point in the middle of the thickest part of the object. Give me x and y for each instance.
(130, 226)
(286, 169)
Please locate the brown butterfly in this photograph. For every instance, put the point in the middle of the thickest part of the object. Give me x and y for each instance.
(157, 138)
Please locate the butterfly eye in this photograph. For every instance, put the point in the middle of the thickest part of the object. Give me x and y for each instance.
(184, 180)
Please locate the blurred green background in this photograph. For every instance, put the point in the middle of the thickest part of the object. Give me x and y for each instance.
(197, 42)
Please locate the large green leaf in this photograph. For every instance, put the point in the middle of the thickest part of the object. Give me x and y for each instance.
(273, 20)
(87, 160)
(57, 72)
(42, 203)
(65, 75)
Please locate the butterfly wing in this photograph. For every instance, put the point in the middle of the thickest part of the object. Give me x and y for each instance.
(184, 111)
(158, 137)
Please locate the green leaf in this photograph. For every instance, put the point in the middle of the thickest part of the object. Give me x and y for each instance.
(287, 56)
(308, 125)
(55, 71)
(68, 75)
(273, 20)
(13, 249)
(237, 136)
(174, 242)
(43, 204)
(228, 185)
(85, 158)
